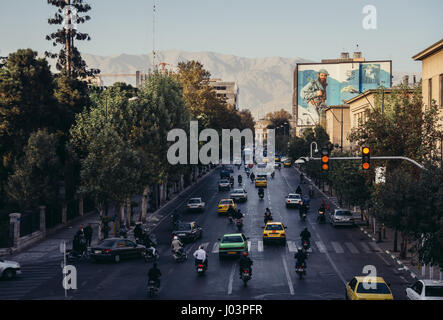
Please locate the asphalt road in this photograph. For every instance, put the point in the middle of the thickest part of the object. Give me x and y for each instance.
(337, 255)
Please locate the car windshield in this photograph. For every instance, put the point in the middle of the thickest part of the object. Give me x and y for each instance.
(224, 181)
(294, 196)
(261, 165)
(232, 239)
(194, 201)
(434, 291)
(274, 227)
(343, 213)
(184, 227)
(225, 202)
(108, 243)
(237, 191)
(377, 288)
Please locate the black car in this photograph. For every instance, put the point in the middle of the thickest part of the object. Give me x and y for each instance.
(116, 249)
(188, 231)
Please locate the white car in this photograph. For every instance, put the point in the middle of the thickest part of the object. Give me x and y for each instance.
(425, 290)
(9, 269)
(342, 217)
(239, 194)
(224, 184)
(195, 204)
(293, 200)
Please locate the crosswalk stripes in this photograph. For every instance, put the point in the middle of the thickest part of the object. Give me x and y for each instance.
(337, 247)
(292, 246)
(351, 247)
(365, 247)
(215, 248)
(260, 245)
(249, 246)
(321, 246)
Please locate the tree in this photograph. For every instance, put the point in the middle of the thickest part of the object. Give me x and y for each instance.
(36, 176)
(278, 118)
(69, 58)
(247, 120)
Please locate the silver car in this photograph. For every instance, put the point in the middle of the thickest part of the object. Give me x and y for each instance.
(195, 204)
(239, 194)
(342, 217)
(9, 269)
(425, 290)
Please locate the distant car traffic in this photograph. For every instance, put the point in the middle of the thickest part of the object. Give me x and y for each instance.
(195, 204)
(224, 184)
(188, 231)
(225, 204)
(232, 245)
(342, 217)
(293, 200)
(9, 269)
(287, 163)
(261, 182)
(274, 231)
(425, 290)
(368, 288)
(239, 195)
(116, 249)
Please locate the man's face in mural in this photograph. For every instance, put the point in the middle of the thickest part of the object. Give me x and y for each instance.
(322, 77)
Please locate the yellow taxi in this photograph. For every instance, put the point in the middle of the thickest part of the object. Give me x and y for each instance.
(274, 231)
(287, 163)
(368, 288)
(225, 204)
(261, 182)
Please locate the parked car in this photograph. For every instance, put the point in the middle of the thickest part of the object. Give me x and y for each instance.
(357, 290)
(342, 217)
(195, 204)
(9, 269)
(293, 200)
(233, 244)
(224, 184)
(116, 249)
(239, 195)
(425, 290)
(188, 231)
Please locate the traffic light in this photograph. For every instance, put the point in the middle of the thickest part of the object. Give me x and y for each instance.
(366, 157)
(324, 159)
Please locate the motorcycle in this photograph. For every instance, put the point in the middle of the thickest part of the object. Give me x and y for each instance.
(232, 184)
(272, 175)
(245, 276)
(261, 195)
(239, 223)
(152, 288)
(300, 270)
(201, 268)
(179, 255)
(303, 216)
(151, 255)
(311, 192)
(305, 245)
(268, 218)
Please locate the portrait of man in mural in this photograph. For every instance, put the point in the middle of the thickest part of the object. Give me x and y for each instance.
(315, 94)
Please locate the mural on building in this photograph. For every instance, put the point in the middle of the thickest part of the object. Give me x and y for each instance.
(322, 85)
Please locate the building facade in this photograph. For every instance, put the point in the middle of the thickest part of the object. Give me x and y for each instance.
(261, 130)
(338, 125)
(227, 90)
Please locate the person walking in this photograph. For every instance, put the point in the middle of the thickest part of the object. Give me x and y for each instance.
(88, 234)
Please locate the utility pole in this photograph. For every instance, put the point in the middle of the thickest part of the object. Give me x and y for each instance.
(341, 144)
(153, 36)
(68, 38)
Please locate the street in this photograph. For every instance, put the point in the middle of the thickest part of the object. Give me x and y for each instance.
(337, 254)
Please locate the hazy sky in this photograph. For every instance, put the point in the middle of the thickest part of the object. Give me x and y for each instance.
(308, 29)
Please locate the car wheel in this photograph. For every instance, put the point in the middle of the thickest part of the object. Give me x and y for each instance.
(117, 258)
(9, 274)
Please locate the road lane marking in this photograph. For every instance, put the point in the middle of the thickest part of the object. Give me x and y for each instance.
(365, 247)
(337, 247)
(351, 247)
(231, 278)
(215, 248)
(249, 246)
(292, 246)
(321, 246)
(260, 245)
(288, 277)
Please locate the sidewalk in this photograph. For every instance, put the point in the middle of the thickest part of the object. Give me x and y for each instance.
(49, 248)
(409, 264)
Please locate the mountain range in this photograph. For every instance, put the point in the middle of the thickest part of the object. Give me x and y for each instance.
(265, 84)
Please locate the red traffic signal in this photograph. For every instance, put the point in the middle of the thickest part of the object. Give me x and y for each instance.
(325, 159)
(366, 157)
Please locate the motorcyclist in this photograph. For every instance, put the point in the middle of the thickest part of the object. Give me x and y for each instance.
(79, 243)
(123, 232)
(240, 179)
(238, 214)
(154, 274)
(298, 190)
(201, 257)
(231, 180)
(301, 258)
(268, 215)
(177, 245)
(245, 263)
(303, 209)
(138, 231)
(176, 219)
(231, 213)
(305, 235)
(273, 174)
(279, 166)
(252, 176)
(261, 191)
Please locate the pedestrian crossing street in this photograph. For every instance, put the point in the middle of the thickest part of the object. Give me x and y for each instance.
(362, 247)
(32, 277)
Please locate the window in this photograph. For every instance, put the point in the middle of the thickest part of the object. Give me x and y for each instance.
(274, 227)
(343, 213)
(434, 291)
(441, 90)
(234, 239)
(418, 287)
(380, 288)
(429, 92)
